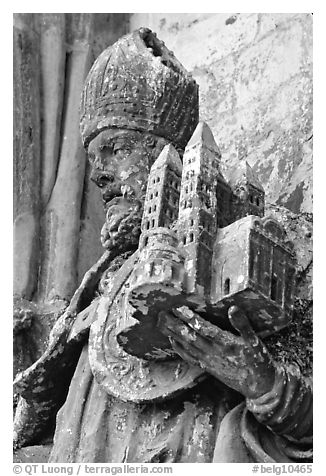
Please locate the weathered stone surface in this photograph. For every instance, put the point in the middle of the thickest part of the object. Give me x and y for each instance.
(33, 454)
(62, 216)
(53, 62)
(95, 403)
(164, 102)
(27, 158)
(255, 78)
(294, 345)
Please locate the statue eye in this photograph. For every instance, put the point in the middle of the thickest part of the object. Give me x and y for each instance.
(106, 147)
(121, 151)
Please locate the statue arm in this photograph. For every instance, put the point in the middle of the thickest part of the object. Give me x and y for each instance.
(279, 398)
(43, 386)
(62, 340)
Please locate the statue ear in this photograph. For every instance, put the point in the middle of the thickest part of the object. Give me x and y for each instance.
(150, 140)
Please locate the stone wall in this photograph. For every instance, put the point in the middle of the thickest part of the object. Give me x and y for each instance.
(255, 77)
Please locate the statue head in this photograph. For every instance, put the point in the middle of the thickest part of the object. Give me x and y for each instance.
(137, 98)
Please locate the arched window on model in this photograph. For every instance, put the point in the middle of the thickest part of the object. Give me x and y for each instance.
(274, 287)
(227, 286)
(175, 273)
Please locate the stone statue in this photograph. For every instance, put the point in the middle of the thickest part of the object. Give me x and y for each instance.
(173, 384)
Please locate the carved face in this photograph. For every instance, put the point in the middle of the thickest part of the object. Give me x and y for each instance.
(121, 161)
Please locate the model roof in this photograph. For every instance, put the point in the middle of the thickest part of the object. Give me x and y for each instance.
(168, 157)
(242, 172)
(204, 135)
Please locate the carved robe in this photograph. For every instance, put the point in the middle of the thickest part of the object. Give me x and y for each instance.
(206, 422)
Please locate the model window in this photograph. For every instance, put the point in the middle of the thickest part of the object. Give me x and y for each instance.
(274, 287)
(227, 286)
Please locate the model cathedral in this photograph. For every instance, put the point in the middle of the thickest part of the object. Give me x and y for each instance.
(207, 244)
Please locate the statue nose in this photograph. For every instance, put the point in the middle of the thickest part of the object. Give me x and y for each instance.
(102, 178)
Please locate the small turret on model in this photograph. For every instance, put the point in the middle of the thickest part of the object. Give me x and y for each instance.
(248, 192)
(163, 191)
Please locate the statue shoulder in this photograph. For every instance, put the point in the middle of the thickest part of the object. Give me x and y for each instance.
(109, 286)
(69, 331)
(117, 270)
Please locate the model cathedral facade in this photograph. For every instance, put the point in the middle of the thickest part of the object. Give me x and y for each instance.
(206, 242)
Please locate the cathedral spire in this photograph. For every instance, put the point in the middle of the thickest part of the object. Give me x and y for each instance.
(163, 191)
(197, 209)
(243, 173)
(248, 191)
(204, 135)
(169, 157)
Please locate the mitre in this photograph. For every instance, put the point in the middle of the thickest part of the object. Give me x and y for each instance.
(138, 84)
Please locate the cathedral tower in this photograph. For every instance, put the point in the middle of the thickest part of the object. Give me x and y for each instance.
(163, 191)
(197, 223)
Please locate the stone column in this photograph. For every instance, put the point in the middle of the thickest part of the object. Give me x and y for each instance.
(26, 154)
(62, 214)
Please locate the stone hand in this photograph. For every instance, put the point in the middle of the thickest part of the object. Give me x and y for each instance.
(241, 362)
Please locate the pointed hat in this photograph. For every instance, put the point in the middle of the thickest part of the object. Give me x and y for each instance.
(138, 84)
